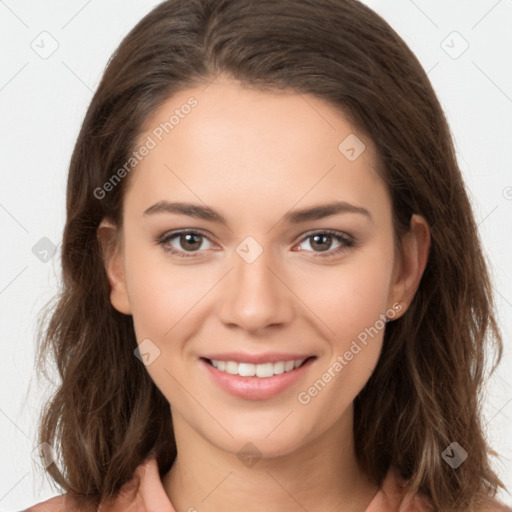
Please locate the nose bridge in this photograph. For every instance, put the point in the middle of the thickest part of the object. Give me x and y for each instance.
(256, 297)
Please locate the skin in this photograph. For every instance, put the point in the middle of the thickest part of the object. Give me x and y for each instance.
(254, 156)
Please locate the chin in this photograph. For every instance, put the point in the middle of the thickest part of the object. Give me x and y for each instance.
(266, 439)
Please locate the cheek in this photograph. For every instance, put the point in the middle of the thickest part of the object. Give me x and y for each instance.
(351, 301)
(350, 297)
(160, 293)
(354, 350)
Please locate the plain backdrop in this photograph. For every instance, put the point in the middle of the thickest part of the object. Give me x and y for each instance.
(45, 89)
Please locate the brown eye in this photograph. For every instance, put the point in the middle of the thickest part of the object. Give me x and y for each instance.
(183, 242)
(321, 242)
(190, 241)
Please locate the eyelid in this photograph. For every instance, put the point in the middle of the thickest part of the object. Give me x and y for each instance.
(333, 232)
(169, 235)
(348, 241)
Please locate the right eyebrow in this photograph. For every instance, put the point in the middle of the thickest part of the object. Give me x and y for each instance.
(192, 210)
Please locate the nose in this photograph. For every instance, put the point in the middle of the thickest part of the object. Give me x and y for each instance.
(256, 295)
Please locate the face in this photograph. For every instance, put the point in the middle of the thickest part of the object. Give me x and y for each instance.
(244, 269)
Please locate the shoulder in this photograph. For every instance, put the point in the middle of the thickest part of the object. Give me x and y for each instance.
(392, 496)
(143, 492)
(52, 505)
(61, 503)
(392, 492)
(493, 505)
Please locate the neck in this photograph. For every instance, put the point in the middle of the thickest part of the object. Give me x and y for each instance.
(320, 475)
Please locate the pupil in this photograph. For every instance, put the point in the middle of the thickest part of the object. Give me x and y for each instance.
(315, 237)
(189, 239)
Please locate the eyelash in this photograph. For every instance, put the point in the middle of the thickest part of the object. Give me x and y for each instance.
(346, 240)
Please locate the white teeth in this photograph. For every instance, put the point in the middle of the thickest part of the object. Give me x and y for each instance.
(231, 367)
(289, 365)
(279, 367)
(258, 370)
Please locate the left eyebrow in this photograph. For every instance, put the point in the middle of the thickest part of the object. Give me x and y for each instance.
(325, 210)
(292, 217)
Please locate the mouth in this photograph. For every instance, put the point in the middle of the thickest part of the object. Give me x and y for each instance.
(256, 381)
(261, 371)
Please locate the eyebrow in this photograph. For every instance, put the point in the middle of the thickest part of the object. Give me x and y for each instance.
(292, 217)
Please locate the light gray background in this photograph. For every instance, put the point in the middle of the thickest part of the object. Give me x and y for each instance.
(43, 101)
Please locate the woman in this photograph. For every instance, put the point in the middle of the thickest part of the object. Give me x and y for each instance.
(263, 306)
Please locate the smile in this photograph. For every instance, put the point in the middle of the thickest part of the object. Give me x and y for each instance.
(256, 381)
(264, 370)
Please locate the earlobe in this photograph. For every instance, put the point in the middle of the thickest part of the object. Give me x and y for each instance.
(408, 273)
(107, 234)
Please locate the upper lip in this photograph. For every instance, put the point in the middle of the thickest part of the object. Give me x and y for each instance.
(241, 357)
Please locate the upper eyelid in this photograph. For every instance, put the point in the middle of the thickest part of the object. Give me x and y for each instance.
(172, 234)
(304, 236)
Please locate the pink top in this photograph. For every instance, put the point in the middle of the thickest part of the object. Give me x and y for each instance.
(151, 496)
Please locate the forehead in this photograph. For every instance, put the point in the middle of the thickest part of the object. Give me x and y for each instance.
(223, 141)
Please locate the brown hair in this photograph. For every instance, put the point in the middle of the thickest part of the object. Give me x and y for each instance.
(107, 415)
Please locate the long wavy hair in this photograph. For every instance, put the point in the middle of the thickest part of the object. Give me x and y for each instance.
(106, 415)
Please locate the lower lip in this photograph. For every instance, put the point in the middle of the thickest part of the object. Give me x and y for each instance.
(256, 388)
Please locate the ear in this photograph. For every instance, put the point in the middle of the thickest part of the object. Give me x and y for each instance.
(108, 236)
(409, 269)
